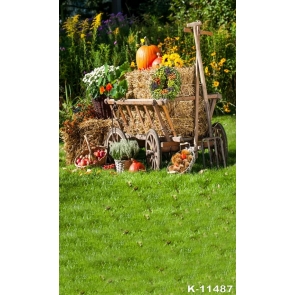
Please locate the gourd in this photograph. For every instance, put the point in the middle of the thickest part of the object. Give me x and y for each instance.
(136, 166)
(157, 61)
(145, 55)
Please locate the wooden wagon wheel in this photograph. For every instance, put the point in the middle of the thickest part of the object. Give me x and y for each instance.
(218, 131)
(153, 150)
(114, 135)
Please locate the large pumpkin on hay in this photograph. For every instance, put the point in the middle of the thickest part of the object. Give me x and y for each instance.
(145, 56)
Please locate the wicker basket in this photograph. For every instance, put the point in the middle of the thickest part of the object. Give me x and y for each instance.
(90, 153)
(170, 169)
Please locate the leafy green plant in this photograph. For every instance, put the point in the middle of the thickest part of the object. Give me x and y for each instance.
(108, 80)
(124, 149)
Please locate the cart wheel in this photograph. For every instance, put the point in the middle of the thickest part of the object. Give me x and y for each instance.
(114, 135)
(153, 150)
(218, 131)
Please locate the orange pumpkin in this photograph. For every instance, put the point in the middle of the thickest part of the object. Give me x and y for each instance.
(136, 166)
(157, 61)
(145, 56)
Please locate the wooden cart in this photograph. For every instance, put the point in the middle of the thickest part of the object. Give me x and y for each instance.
(157, 143)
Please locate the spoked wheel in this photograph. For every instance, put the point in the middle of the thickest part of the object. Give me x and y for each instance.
(114, 135)
(153, 150)
(218, 131)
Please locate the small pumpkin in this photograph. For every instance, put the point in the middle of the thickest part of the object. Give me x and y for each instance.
(136, 166)
(145, 55)
(157, 61)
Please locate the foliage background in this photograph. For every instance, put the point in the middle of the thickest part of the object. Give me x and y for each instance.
(90, 40)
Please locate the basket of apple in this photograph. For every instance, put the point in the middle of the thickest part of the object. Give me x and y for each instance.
(91, 157)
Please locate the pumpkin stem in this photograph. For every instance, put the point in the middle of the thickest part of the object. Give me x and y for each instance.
(146, 42)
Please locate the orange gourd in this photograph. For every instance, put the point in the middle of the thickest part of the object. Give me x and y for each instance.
(136, 166)
(145, 56)
(157, 61)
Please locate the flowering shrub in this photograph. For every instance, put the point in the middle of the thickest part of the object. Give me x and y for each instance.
(107, 80)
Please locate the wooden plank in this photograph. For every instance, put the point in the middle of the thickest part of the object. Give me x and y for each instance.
(185, 98)
(169, 120)
(156, 108)
(169, 143)
(148, 101)
(181, 139)
(149, 116)
(190, 30)
(124, 119)
(130, 115)
(140, 118)
(214, 96)
(202, 75)
(133, 101)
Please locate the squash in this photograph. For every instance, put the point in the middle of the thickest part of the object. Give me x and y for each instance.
(136, 166)
(145, 55)
(157, 61)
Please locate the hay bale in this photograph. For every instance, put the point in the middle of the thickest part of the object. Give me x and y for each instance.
(73, 138)
(139, 82)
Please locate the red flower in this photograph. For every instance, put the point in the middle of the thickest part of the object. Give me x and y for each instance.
(109, 87)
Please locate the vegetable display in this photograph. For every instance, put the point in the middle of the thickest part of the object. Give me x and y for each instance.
(145, 56)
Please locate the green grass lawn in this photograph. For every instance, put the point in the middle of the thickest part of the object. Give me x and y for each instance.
(148, 232)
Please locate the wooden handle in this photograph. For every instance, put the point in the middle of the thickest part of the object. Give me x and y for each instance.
(190, 30)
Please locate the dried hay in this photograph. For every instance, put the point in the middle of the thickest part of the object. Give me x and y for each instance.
(182, 114)
(139, 82)
(94, 129)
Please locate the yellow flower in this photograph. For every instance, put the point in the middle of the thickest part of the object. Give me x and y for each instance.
(176, 38)
(226, 70)
(213, 64)
(215, 84)
(222, 61)
(213, 53)
(130, 39)
(82, 36)
(173, 56)
(71, 24)
(132, 65)
(165, 58)
(174, 48)
(116, 31)
(96, 21)
(168, 63)
(178, 62)
(226, 108)
(142, 41)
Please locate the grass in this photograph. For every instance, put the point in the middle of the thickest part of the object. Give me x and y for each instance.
(148, 232)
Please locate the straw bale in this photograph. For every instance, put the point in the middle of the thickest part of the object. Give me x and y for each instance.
(95, 130)
(139, 82)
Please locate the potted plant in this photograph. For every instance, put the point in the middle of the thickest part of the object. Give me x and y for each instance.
(123, 152)
(106, 81)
